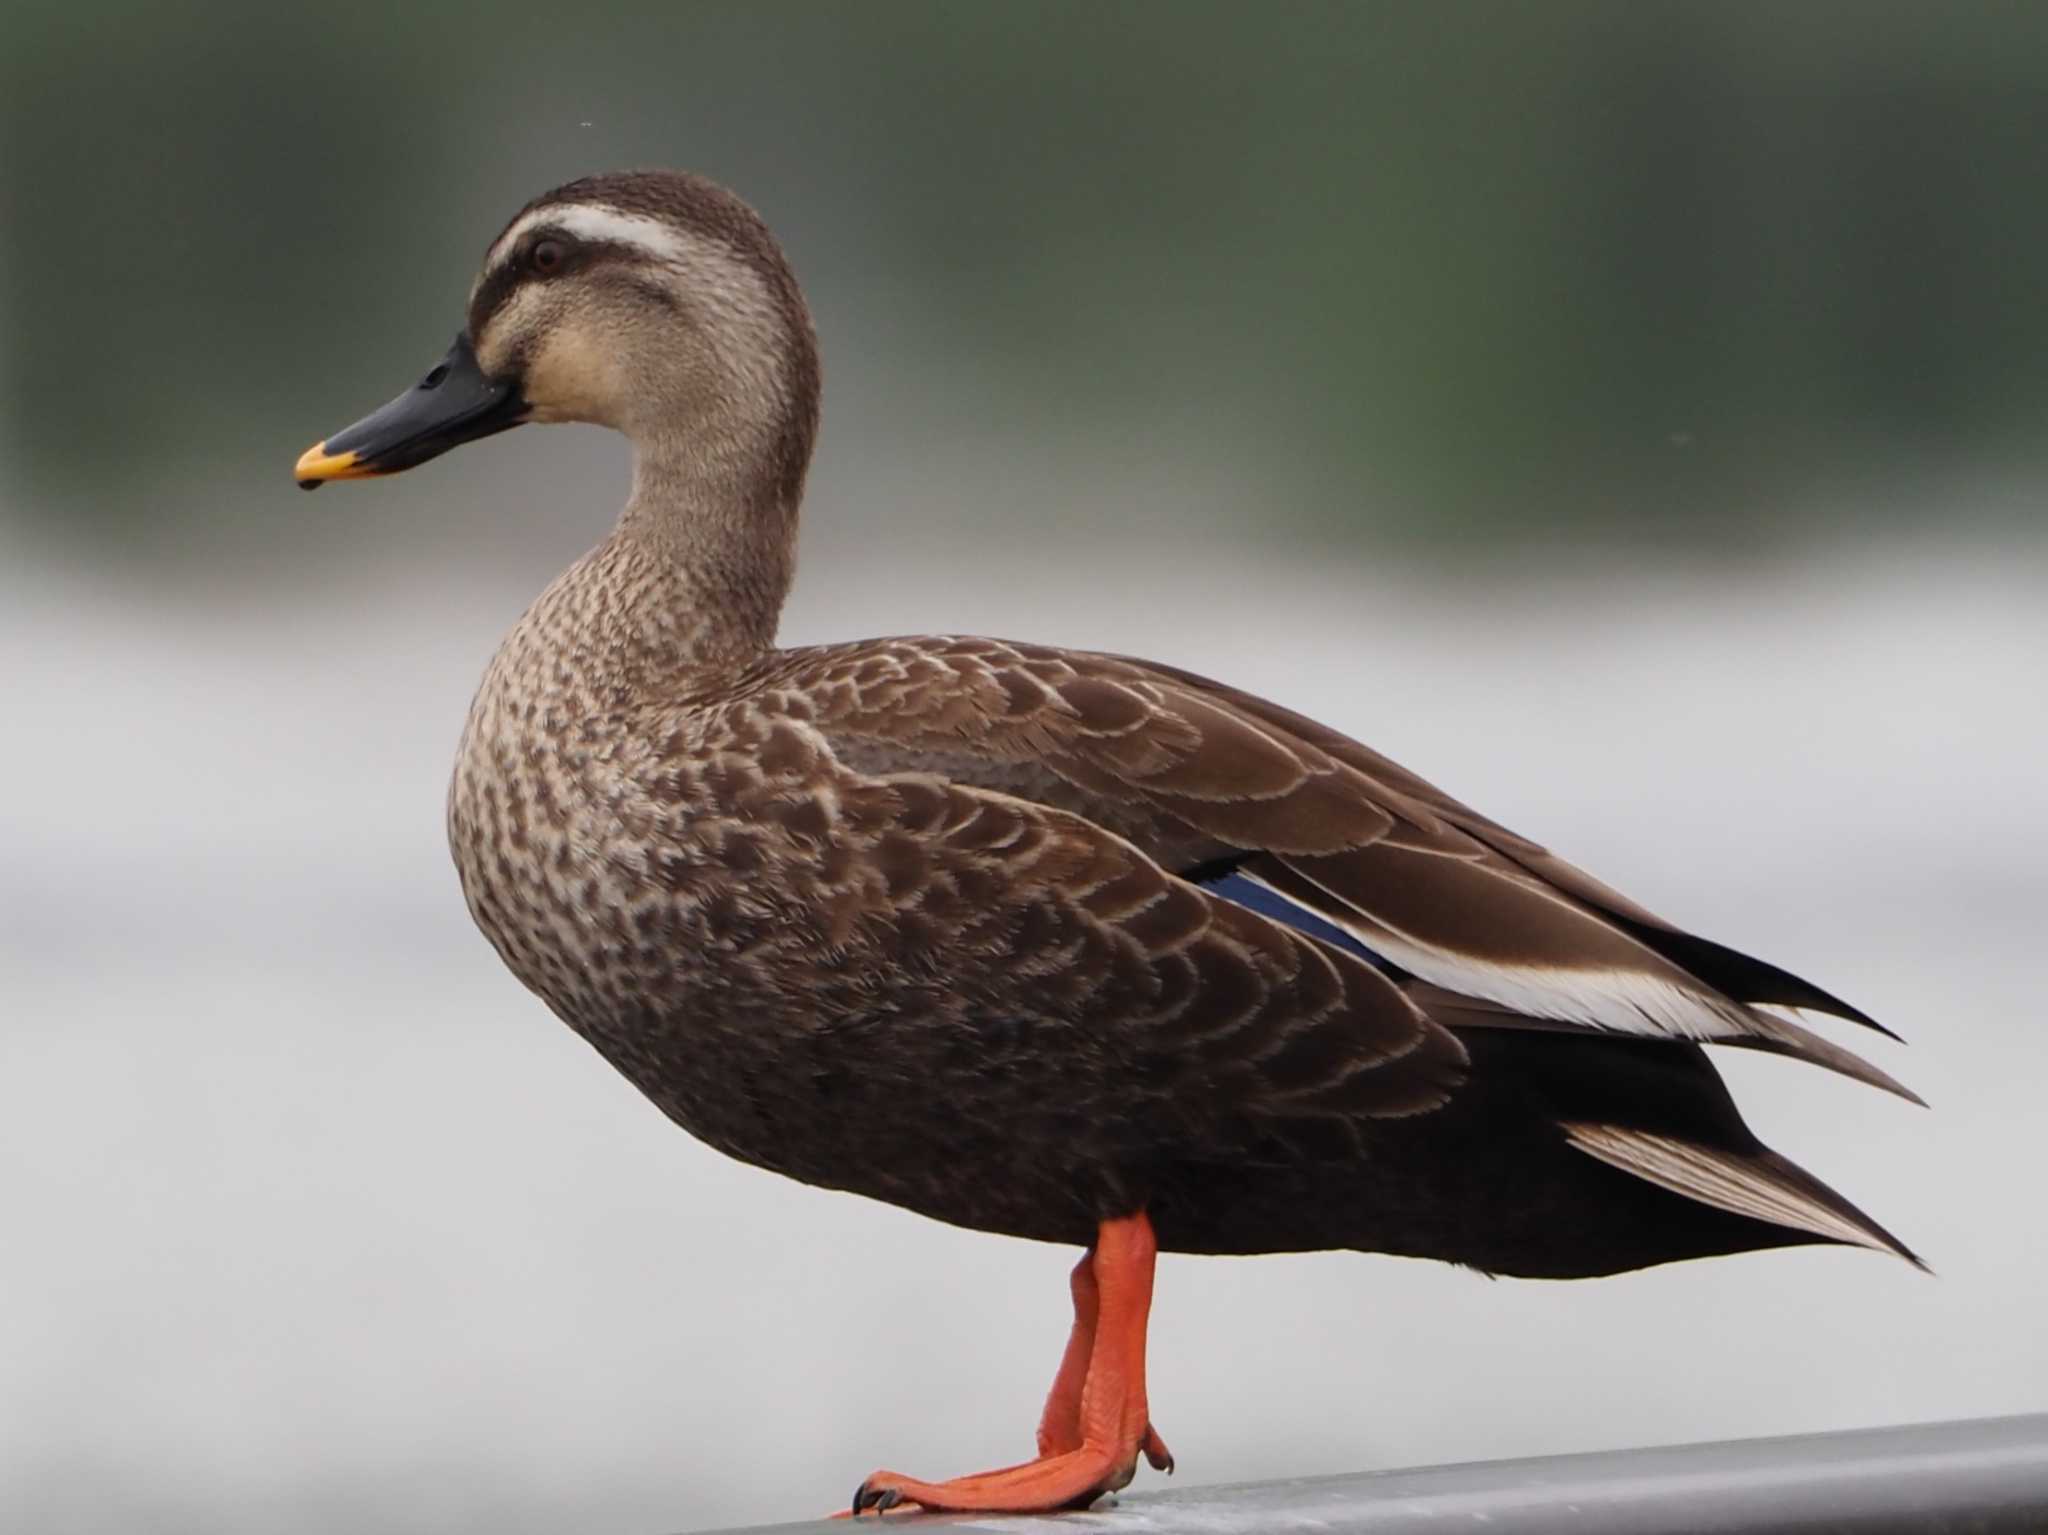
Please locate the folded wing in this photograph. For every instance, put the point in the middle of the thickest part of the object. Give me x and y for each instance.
(1208, 777)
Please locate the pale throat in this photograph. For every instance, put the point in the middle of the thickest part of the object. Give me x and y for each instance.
(702, 556)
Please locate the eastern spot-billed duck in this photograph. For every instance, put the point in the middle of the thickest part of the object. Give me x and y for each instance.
(1063, 945)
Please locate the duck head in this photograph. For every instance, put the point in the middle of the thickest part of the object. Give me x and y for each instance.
(652, 302)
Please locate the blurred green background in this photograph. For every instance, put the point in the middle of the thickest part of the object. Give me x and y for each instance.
(1471, 276)
(1628, 415)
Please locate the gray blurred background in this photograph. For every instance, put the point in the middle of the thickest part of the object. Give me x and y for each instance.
(1628, 414)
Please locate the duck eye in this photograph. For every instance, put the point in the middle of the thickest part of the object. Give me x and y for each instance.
(548, 256)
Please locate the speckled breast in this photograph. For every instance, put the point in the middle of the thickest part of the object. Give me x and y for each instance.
(600, 858)
(536, 841)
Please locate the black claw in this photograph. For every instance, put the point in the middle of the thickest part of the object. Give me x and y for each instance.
(880, 1499)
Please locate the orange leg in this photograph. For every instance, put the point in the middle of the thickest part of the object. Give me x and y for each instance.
(1096, 1422)
(1059, 1426)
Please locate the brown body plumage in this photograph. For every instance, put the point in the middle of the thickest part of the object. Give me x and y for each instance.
(1031, 940)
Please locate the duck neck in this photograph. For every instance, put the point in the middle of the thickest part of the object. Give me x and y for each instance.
(702, 557)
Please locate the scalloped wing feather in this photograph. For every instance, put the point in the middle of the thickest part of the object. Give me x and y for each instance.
(1026, 910)
(1189, 768)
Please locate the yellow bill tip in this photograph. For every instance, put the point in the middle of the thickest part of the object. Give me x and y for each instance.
(316, 465)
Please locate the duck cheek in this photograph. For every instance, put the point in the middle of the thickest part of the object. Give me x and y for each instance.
(570, 379)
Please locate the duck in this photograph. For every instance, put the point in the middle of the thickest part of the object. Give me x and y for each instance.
(1043, 942)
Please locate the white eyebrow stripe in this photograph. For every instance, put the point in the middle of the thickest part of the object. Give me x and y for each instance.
(597, 224)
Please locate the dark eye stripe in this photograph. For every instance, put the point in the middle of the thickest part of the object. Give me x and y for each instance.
(516, 270)
(492, 293)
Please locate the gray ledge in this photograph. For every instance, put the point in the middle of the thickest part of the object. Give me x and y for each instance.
(1984, 1476)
